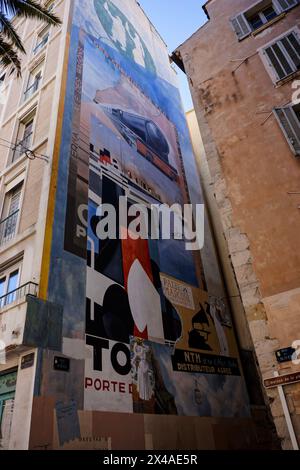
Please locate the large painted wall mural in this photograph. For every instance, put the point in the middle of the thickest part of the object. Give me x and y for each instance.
(156, 341)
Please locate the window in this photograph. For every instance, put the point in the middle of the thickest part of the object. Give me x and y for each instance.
(24, 136)
(10, 214)
(288, 118)
(9, 283)
(42, 40)
(262, 17)
(269, 13)
(256, 21)
(34, 81)
(283, 56)
(259, 15)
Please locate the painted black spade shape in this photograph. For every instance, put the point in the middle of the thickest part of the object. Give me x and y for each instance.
(117, 318)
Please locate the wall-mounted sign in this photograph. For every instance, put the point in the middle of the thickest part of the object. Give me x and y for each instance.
(193, 362)
(27, 361)
(62, 364)
(282, 380)
(285, 354)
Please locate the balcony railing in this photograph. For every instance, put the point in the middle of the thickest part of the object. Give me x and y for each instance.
(21, 146)
(31, 90)
(41, 44)
(31, 288)
(8, 228)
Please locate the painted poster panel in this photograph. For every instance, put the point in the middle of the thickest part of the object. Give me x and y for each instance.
(158, 389)
(206, 323)
(156, 341)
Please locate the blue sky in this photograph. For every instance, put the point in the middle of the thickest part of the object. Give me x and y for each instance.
(176, 20)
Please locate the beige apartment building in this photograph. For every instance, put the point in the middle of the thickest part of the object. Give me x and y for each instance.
(29, 109)
(243, 67)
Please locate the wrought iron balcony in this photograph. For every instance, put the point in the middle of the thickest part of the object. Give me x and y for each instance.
(31, 288)
(8, 228)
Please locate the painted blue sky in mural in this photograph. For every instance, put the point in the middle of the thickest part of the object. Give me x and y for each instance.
(176, 21)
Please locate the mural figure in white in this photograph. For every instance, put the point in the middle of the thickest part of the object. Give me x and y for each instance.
(144, 386)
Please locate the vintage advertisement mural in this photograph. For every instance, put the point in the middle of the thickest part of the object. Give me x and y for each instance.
(156, 341)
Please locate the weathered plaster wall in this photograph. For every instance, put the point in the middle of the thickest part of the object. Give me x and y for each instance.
(215, 239)
(253, 170)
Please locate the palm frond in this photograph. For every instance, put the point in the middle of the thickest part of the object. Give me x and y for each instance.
(9, 31)
(33, 9)
(8, 57)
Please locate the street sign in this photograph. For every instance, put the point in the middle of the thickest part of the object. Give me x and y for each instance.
(27, 361)
(285, 355)
(282, 380)
(62, 364)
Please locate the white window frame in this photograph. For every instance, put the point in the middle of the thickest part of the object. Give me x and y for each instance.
(8, 197)
(262, 16)
(269, 67)
(50, 5)
(291, 107)
(244, 13)
(6, 274)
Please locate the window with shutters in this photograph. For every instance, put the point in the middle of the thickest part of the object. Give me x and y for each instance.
(262, 17)
(259, 15)
(283, 56)
(288, 118)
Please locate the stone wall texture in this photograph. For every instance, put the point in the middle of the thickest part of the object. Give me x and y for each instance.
(253, 173)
